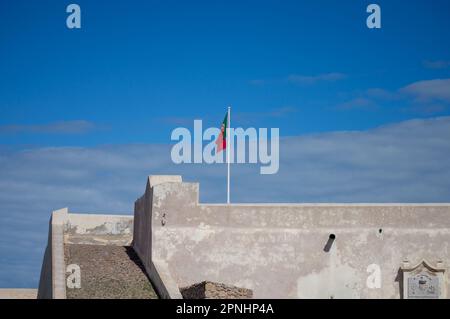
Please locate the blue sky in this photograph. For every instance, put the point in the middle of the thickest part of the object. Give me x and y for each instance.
(137, 69)
(86, 115)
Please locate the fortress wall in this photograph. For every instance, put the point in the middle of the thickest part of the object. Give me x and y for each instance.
(52, 283)
(45, 279)
(157, 269)
(98, 229)
(65, 228)
(284, 251)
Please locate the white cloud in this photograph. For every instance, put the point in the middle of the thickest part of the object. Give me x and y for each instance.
(403, 162)
(422, 97)
(430, 90)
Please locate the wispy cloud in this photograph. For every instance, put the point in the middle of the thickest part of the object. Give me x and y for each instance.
(438, 64)
(421, 97)
(429, 90)
(382, 94)
(425, 108)
(62, 127)
(241, 118)
(357, 103)
(403, 162)
(313, 79)
(301, 79)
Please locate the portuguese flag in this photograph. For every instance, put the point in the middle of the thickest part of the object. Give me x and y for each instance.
(221, 142)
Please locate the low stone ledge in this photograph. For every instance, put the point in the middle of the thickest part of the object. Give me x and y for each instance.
(213, 290)
(18, 293)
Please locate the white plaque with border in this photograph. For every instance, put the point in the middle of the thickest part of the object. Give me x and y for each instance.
(423, 281)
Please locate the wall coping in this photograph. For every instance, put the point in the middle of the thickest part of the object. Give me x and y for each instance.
(326, 204)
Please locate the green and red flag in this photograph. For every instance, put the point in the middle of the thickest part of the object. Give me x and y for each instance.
(221, 142)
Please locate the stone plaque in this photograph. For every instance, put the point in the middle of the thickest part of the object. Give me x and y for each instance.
(423, 286)
(423, 281)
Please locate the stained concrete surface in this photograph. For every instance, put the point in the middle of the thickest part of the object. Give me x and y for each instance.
(108, 272)
(18, 293)
(283, 250)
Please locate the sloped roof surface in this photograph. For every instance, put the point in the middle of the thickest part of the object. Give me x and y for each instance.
(108, 272)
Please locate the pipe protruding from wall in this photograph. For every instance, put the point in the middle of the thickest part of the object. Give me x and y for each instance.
(329, 243)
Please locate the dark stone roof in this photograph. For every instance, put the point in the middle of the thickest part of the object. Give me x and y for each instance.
(108, 272)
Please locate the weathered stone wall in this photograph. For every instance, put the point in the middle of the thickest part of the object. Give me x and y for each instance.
(92, 229)
(157, 269)
(65, 228)
(276, 250)
(213, 290)
(285, 251)
(52, 283)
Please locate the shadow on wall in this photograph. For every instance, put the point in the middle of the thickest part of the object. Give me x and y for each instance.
(399, 279)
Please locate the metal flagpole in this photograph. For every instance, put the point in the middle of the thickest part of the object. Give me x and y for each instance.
(228, 154)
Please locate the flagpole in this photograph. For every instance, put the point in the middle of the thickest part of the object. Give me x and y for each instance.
(228, 155)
